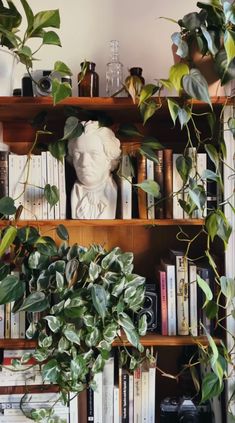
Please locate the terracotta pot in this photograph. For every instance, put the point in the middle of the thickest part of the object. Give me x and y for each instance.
(8, 61)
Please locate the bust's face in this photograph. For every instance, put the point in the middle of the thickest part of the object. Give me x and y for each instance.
(90, 161)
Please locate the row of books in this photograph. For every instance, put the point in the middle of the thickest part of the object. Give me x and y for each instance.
(24, 180)
(130, 399)
(181, 298)
(11, 407)
(165, 173)
(12, 325)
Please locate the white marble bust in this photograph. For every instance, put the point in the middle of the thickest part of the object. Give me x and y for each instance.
(94, 155)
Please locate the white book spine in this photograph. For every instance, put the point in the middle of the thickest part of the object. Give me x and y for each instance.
(38, 184)
(22, 324)
(171, 300)
(201, 167)
(137, 396)
(98, 398)
(150, 198)
(108, 384)
(29, 191)
(126, 188)
(2, 320)
(15, 324)
(193, 315)
(44, 182)
(56, 183)
(62, 189)
(73, 408)
(116, 409)
(144, 396)
(131, 398)
(50, 181)
(177, 190)
(152, 394)
(16, 188)
(182, 295)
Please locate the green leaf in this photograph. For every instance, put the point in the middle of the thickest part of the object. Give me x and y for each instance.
(173, 109)
(7, 239)
(148, 110)
(92, 337)
(50, 37)
(54, 323)
(62, 68)
(11, 288)
(227, 287)
(94, 271)
(142, 325)
(46, 246)
(147, 91)
(177, 39)
(149, 186)
(59, 281)
(196, 86)
(28, 13)
(184, 115)
(212, 153)
(37, 301)
(73, 128)
(71, 333)
(7, 206)
(229, 45)
(211, 309)
(110, 332)
(51, 194)
(45, 19)
(98, 364)
(51, 371)
(129, 131)
(4, 270)
(184, 166)
(60, 90)
(99, 300)
(58, 149)
(212, 225)
(211, 387)
(132, 336)
(177, 72)
(231, 125)
(62, 232)
(205, 288)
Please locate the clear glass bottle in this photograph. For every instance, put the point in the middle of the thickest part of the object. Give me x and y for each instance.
(114, 71)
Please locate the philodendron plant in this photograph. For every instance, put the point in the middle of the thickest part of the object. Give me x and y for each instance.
(38, 26)
(86, 297)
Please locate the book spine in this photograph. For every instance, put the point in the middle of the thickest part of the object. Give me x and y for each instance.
(150, 198)
(201, 167)
(29, 191)
(126, 187)
(178, 212)
(144, 396)
(125, 397)
(22, 323)
(168, 182)
(159, 178)
(141, 176)
(108, 385)
(15, 324)
(37, 189)
(116, 414)
(4, 173)
(90, 405)
(171, 300)
(44, 182)
(182, 295)
(62, 190)
(163, 297)
(152, 394)
(131, 398)
(192, 153)
(137, 395)
(7, 320)
(73, 408)
(56, 183)
(2, 321)
(50, 181)
(193, 306)
(98, 398)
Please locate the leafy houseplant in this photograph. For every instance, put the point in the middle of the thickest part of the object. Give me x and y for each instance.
(86, 297)
(38, 26)
(212, 32)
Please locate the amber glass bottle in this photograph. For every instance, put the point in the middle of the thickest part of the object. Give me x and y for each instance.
(135, 78)
(88, 85)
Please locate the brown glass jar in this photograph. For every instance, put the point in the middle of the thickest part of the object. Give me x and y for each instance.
(89, 84)
(137, 72)
(135, 79)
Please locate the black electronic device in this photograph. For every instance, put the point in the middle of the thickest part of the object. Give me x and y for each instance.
(150, 307)
(184, 410)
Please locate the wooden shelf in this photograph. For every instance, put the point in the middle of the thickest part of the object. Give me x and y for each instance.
(147, 340)
(33, 389)
(104, 222)
(25, 108)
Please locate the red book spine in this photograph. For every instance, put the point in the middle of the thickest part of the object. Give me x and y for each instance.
(163, 297)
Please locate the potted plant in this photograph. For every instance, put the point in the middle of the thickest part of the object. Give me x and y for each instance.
(206, 41)
(16, 46)
(86, 297)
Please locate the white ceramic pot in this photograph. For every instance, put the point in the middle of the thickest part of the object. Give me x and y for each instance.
(8, 61)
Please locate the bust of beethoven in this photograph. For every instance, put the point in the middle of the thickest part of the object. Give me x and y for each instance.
(94, 155)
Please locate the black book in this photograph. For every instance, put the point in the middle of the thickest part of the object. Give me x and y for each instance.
(90, 405)
(125, 396)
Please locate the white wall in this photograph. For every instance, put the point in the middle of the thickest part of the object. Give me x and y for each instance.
(87, 26)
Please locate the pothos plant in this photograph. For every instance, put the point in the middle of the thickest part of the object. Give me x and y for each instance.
(190, 85)
(86, 297)
(38, 26)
